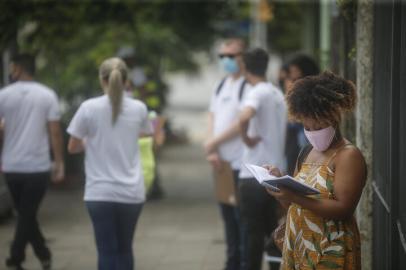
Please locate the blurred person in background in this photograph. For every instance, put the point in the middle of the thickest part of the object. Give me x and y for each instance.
(149, 88)
(321, 230)
(263, 128)
(224, 145)
(107, 128)
(31, 116)
(283, 77)
(301, 66)
(298, 67)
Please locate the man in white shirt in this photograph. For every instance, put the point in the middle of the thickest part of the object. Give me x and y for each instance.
(263, 127)
(224, 145)
(30, 112)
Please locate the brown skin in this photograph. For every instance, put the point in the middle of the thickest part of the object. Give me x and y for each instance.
(18, 73)
(295, 73)
(287, 82)
(248, 113)
(56, 138)
(75, 145)
(350, 176)
(211, 144)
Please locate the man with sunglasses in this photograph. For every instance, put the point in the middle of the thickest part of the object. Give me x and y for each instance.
(224, 146)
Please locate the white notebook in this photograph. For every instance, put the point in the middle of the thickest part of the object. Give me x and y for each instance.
(264, 178)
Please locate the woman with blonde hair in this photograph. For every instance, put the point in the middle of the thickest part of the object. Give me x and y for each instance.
(107, 128)
(321, 231)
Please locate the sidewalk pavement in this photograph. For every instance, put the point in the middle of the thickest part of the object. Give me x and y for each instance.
(183, 231)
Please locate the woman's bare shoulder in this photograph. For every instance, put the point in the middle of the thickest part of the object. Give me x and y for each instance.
(350, 157)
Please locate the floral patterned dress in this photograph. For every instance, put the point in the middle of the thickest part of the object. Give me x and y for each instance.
(313, 242)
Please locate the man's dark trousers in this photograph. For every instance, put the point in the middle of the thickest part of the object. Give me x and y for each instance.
(27, 191)
(258, 218)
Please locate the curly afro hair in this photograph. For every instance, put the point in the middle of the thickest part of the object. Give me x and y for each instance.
(325, 98)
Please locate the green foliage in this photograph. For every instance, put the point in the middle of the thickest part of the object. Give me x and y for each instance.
(71, 38)
(285, 28)
(348, 8)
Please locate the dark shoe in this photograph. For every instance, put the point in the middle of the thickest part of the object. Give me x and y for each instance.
(13, 266)
(17, 267)
(46, 265)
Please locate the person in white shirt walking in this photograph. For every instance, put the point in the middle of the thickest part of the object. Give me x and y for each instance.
(107, 128)
(30, 112)
(224, 144)
(263, 123)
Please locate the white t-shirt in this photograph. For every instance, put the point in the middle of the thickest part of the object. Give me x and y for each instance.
(269, 123)
(112, 163)
(225, 108)
(27, 107)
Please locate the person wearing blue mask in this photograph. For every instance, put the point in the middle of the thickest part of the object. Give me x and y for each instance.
(223, 146)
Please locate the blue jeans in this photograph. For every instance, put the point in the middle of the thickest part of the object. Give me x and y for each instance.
(114, 226)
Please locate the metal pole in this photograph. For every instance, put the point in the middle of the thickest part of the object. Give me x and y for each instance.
(258, 31)
(325, 22)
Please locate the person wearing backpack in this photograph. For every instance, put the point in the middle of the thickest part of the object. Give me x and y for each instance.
(223, 146)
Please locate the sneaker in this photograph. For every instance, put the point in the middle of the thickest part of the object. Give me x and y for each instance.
(273, 259)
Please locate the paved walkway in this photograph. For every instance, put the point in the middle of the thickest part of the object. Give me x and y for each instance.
(181, 232)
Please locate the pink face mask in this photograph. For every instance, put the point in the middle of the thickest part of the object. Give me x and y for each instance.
(321, 139)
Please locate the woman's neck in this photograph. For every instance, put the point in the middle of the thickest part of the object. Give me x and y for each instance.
(338, 140)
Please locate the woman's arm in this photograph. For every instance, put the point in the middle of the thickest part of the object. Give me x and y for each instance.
(350, 176)
(56, 138)
(75, 145)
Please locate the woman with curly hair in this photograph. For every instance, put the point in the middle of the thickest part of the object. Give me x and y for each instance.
(321, 231)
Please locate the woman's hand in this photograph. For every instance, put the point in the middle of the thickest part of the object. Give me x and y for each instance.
(273, 170)
(284, 195)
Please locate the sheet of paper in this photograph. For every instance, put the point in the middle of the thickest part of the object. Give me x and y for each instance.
(260, 173)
